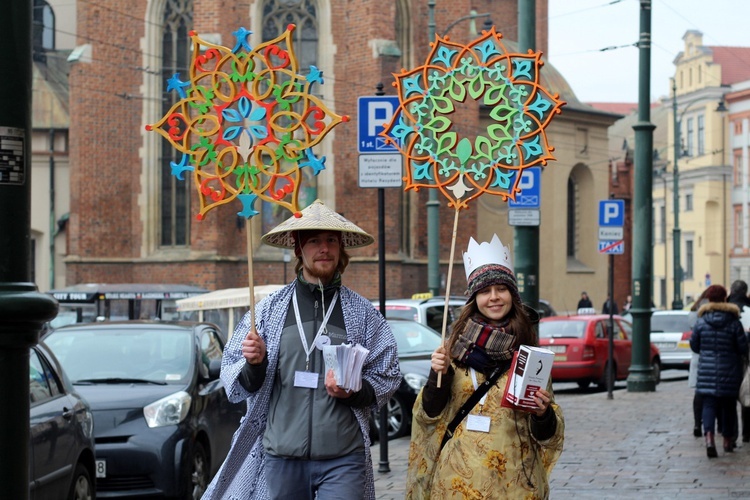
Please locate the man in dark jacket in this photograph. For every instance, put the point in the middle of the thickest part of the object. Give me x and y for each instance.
(738, 297)
(720, 340)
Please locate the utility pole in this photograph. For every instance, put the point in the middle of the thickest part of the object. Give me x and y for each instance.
(22, 308)
(433, 205)
(526, 241)
(676, 264)
(641, 378)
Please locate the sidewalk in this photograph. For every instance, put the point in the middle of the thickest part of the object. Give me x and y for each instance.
(635, 445)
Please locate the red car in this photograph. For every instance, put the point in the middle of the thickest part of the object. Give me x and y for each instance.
(581, 347)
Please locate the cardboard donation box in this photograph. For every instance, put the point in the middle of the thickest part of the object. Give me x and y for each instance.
(528, 373)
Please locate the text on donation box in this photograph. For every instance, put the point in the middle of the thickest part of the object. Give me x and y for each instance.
(529, 372)
(380, 170)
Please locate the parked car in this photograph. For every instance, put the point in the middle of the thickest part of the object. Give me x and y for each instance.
(416, 343)
(163, 424)
(61, 445)
(670, 332)
(428, 311)
(545, 309)
(581, 347)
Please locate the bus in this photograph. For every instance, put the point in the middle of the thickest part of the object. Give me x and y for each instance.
(89, 302)
(224, 308)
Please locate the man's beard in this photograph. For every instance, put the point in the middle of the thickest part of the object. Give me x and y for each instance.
(323, 276)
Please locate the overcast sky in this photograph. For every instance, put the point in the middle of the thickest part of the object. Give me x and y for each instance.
(579, 29)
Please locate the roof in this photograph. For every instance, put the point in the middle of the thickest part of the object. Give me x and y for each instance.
(735, 63)
(620, 108)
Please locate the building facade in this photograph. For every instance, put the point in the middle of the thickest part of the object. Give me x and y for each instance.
(703, 76)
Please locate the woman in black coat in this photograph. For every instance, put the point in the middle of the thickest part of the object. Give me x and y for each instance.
(720, 340)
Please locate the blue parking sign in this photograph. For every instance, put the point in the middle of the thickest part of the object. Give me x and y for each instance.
(611, 213)
(531, 189)
(375, 112)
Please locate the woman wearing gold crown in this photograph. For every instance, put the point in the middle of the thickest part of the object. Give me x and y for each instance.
(483, 449)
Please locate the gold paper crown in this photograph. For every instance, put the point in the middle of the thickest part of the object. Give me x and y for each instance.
(492, 252)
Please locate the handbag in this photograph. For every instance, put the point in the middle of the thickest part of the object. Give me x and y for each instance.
(470, 404)
(745, 388)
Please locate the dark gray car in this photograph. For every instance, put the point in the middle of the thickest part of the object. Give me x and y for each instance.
(163, 424)
(61, 446)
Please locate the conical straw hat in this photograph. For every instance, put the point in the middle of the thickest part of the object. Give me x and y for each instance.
(317, 217)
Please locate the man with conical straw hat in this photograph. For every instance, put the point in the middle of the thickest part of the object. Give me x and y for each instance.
(305, 437)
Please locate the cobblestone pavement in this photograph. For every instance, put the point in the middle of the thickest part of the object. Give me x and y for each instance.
(635, 445)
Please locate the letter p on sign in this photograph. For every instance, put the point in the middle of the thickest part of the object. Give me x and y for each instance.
(611, 213)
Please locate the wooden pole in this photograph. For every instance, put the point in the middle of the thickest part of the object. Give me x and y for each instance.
(250, 278)
(448, 284)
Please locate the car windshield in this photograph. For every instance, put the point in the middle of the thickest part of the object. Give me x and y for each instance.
(559, 329)
(401, 312)
(116, 356)
(669, 323)
(413, 338)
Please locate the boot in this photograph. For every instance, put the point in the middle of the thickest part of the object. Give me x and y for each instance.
(728, 445)
(710, 445)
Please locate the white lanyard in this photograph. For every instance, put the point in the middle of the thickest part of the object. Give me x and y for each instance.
(311, 348)
(476, 385)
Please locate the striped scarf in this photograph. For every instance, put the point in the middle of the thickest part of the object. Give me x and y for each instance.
(482, 344)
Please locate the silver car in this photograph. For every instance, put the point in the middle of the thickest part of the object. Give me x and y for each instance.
(670, 332)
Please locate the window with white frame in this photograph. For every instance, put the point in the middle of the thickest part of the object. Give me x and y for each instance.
(688, 202)
(689, 137)
(701, 135)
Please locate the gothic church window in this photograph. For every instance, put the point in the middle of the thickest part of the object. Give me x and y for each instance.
(175, 193)
(277, 15)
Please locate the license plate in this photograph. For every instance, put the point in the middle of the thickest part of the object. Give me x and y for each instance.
(560, 357)
(683, 344)
(101, 468)
(665, 345)
(556, 348)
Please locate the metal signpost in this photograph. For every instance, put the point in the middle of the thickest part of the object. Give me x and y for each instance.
(611, 222)
(524, 211)
(380, 166)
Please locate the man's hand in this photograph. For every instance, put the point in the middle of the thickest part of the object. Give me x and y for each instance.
(440, 361)
(334, 390)
(253, 348)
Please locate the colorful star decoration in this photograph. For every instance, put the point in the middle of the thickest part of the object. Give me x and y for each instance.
(507, 84)
(246, 122)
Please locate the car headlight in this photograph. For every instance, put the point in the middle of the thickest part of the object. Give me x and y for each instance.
(415, 381)
(170, 410)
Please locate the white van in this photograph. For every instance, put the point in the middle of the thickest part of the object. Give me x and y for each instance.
(224, 308)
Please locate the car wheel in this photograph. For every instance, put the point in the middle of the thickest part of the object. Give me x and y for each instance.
(81, 488)
(198, 472)
(656, 370)
(399, 418)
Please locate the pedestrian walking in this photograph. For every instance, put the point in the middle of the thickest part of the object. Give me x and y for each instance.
(488, 450)
(585, 301)
(720, 340)
(609, 306)
(738, 296)
(303, 436)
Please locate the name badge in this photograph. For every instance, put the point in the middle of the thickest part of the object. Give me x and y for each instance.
(479, 423)
(308, 380)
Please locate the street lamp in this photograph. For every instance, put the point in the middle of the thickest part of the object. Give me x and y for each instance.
(677, 301)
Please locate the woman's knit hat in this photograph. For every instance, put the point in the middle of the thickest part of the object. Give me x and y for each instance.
(715, 293)
(489, 264)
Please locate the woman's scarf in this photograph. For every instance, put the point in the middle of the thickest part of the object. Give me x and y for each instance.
(483, 346)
